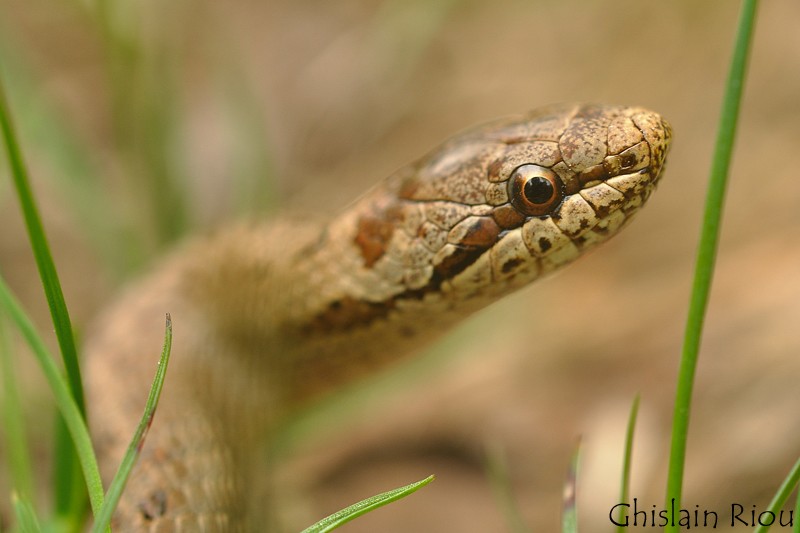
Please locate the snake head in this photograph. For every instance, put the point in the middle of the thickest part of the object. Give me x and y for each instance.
(504, 203)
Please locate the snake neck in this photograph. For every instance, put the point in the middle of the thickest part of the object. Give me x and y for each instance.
(303, 310)
(489, 211)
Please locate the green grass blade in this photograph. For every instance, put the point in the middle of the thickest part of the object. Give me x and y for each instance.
(707, 253)
(569, 518)
(626, 463)
(65, 497)
(796, 525)
(103, 519)
(18, 459)
(497, 470)
(68, 482)
(784, 491)
(41, 252)
(364, 506)
(26, 517)
(64, 401)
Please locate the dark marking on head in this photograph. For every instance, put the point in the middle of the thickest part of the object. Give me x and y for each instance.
(593, 173)
(545, 244)
(482, 232)
(374, 232)
(559, 215)
(456, 263)
(510, 265)
(602, 231)
(494, 169)
(507, 216)
(628, 160)
(347, 312)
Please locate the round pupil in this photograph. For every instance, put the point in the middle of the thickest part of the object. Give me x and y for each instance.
(538, 190)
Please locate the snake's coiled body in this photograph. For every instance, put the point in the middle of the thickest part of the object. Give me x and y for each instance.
(267, 316)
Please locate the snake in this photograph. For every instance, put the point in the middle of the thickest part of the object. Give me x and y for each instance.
(272, 315)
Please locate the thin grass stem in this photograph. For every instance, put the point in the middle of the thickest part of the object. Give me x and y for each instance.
(103, 519)
(64, 400)
(783, 493)
(706, 255)
(41, 252)
(627, 462)
(18, 459)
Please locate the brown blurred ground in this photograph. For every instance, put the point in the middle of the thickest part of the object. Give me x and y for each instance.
(348, 91)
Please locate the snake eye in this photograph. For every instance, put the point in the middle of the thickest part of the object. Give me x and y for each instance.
(534, 190)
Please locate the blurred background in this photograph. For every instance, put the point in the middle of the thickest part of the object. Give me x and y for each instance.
(143, 122)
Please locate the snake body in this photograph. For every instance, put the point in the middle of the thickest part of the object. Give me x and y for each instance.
(270, 315)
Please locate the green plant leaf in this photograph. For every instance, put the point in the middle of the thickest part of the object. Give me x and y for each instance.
(786, 488)
(18, 459)
(796, 526)
(41, 252)
(68, 482)
(706, 255)
(103, 519)
(64, 401)
(26, 517)
(65, 482)
(627, 461)
(347, 514)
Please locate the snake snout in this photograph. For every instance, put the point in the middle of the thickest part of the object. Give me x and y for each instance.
(657, 134)
(611, 158)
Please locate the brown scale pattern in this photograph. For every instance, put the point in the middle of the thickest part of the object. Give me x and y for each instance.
(267, 316)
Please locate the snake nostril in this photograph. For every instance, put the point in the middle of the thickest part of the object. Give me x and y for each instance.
(628, 161)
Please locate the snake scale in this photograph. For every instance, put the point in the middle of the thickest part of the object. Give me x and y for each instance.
(270, 315)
